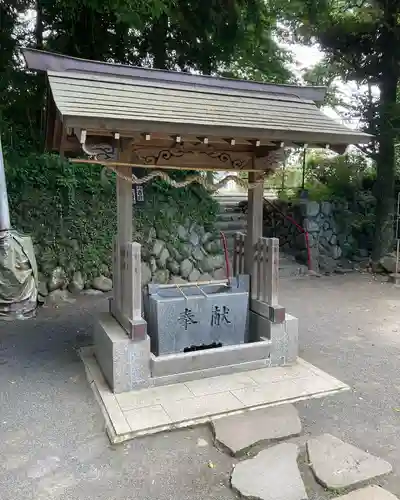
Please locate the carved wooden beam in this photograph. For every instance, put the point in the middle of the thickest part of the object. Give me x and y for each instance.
(181, 156)
(270, 161)
(192, 157)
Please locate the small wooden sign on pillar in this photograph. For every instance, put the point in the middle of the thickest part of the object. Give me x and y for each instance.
(137, 194)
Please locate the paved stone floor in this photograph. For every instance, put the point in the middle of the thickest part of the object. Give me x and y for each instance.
(52, 440)
(147, 411)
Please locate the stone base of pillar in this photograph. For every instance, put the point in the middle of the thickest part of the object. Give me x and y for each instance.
(125, 363)
(395, 279)
(284, 337)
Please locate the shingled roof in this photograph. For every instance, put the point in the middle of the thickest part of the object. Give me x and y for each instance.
(91, 94)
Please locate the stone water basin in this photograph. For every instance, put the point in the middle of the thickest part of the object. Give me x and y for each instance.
(192, 317)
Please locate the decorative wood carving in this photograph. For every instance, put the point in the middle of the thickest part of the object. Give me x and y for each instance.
(266, 159)
(180, 156)
(271, 161)
(100, 150)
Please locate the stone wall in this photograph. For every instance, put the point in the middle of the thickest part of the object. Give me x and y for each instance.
(187, 252)
(183, 252)
(323, 235)
(329, 241)
(70, 213)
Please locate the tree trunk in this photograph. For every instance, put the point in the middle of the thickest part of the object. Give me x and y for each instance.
(158, 42)
(385, 203)
(39, 25)
(121, 47)
(39, 114)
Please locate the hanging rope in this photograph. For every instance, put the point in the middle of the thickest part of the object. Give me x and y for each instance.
(190, 180)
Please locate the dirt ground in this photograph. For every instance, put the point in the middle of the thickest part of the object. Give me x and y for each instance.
(52, 441)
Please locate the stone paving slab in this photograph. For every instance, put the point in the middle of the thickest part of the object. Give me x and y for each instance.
(240, 432)
(157, 409)
(337, 464)
(369, 493)
(273, 474)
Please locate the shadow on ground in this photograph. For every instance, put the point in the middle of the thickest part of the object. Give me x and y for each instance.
(52, 440)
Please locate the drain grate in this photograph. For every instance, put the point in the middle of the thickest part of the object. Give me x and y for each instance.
(202, 347)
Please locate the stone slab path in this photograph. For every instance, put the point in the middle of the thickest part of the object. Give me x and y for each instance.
(240, 432)
(369, 493)
(339, 465)
(271, 475)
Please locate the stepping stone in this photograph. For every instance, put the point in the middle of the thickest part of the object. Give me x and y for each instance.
(338, 465)
(271, 475)
(240, 432)
(369, 493)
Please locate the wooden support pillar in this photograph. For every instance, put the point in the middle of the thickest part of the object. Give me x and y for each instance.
(124, 193)
(124, 221)
(124, 206)
(115, 303)
(254, 226)
(127, 301)
(124, 235)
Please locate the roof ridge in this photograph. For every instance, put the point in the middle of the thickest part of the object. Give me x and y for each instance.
(118, 79)
(48, 61)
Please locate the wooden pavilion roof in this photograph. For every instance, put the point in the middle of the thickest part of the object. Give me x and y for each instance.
(104, 99)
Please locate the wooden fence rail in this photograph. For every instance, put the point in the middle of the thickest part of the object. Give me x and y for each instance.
(238, 253)
(126, 305)
(265, 272)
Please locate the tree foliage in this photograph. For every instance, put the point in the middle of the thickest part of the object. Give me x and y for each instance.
(235, 38)
(360, 39)
(17, 88)
(64, 206)
(231, 38)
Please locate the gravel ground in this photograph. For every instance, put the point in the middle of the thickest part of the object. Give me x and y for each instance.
(350, 327)
(52, 441)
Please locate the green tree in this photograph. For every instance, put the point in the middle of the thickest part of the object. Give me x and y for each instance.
(361, 38)
(18, 110)
(96, 29)
(232, 38)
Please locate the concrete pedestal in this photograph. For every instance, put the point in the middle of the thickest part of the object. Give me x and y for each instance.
(129, 364)
(125, 363)
(395, 279)
(284, 337)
